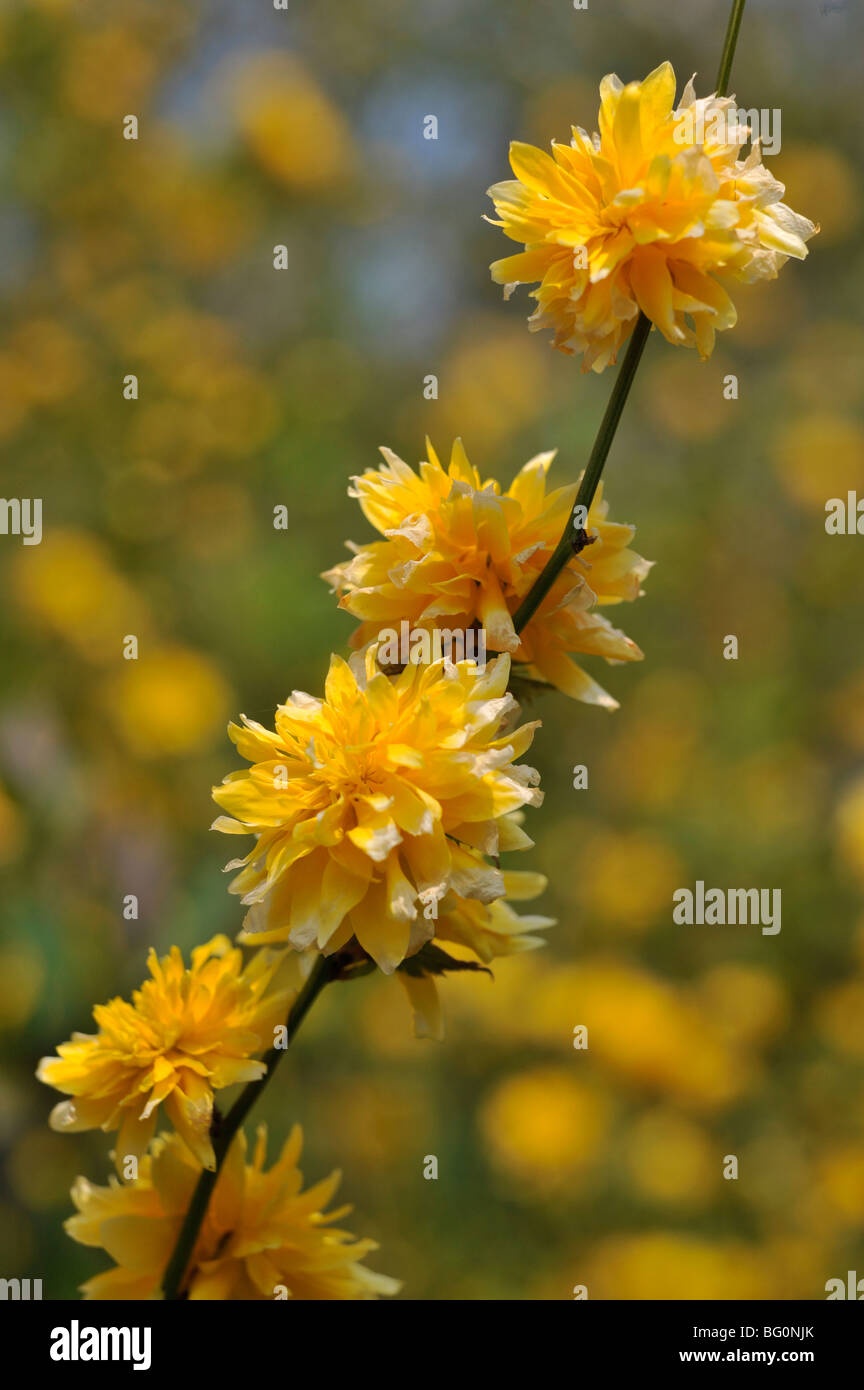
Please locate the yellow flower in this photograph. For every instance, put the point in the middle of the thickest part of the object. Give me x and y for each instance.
(262, 1236)
(480, 931)
(652, 214)
(186, 1034)
(458, 551)
(676, 1265)
(168, 703)
(373, 803)
(544, 1128)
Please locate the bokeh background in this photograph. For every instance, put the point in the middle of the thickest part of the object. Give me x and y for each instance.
(261, 388)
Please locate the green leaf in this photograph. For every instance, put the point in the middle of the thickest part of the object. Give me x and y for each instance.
(431, 960)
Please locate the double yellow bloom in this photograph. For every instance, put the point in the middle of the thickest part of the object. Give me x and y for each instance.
(372, 805)
(658, 212)
(263, 1237)
(186, 1033)
(459, 551)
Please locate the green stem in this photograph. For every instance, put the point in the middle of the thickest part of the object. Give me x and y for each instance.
(564, 550)
(324, 970)
(573, 538)
(737, 14)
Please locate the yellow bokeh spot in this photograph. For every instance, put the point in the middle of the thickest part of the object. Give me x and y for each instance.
(543, 1126)
(642, 1028)
(746, 1004)
(840, 1175)
(291, 127)
(171, 701)
(850, 829)
(820, 455)
(668, 1265)
(689, 404)
(495, 382)
(22, 974)
(840, 1017)
(107, 74)
(630, 901)
(12, 832)
(670, 1159)
(70, 586)
(823, 179)
(51, 359)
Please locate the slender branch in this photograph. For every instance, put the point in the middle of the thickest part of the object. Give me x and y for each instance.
(564, 550)
(735, 17)
(574, 538)
(325, 969)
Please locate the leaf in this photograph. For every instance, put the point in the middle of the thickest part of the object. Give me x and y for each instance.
(431, 960)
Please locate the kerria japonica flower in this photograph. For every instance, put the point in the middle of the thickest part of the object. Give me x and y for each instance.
(187, 1033)
(658, 212)
(460, 551)
(371, 805)
(262, 1237)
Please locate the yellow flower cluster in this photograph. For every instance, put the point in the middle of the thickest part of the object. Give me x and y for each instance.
(380, 810)
(263, 1237)
(654, 213)
(460, 552)
(186, 1033)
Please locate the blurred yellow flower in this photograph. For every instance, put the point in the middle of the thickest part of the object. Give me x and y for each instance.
(291, 127)
(167, 703)
(850, 829)
(840, 1179)
(543, 1126)
(687, 405)
(69, 585)
(263, 1237)
(371, 804)
(200, 219)
(836, 439)
(107, 72)
(642, 1028)
(12, 829)
(646, 215)
(459, 551)
(187, 1033)
(51, 358)
(839, 1017)
(745, 1003)
(670, 1159)
(493, 383)
(669, 1265)
(637, 899)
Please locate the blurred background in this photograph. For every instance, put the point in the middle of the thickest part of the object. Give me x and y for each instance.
(304, 128)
